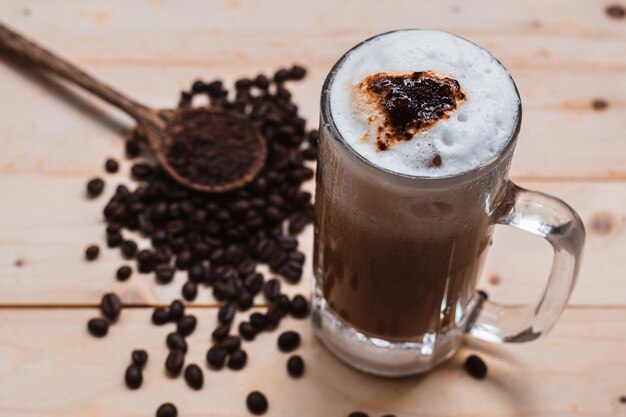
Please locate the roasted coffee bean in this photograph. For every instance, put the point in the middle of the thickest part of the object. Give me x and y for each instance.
(129, 248)
(198, 87)
(299, 307)
(186, 325)
(287, 243)
(95, 187)
(92, 252)
(221, 332)
(274, 316)
(123, 273)
(139, 357)
(194, 376)
(110, 306)
(258, 321)
(174, 362)
(167, 410)
(111, 166)
(254, 283)
(271, 290)
(247, 331)
(292, 271)
(176, 341)
(475, 367)
(216, 356)
(231, 343)
(160, 316)
(164, 273)
(297, 223)
(256, 403)
(358, 414)
(184, 260)
(288, 341)
(114, 240)
(245, 301)
(281, 75)
(237, 360)
(262, 82)
(283, 304)
(226, 313)
(297, 257)
(196, 273)
(133, 377)
(98, 327)
(141, 171)
(246, 267)
(190, 290)
(295, 366)
(297, 72)
(177, 310)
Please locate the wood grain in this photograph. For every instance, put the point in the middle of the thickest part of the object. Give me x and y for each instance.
(50, 366)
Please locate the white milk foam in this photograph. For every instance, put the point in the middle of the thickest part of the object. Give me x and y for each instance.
(474, 133)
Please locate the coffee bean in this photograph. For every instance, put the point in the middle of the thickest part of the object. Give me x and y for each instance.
(176, 341)
(231, 343)
(98, 327)
(388, 415)
(475, 367)
(256, 403)
(160, 316)
(216, 356)
(292, 271)
(190, 290)
(299, 307)
(129, 248)
(92, 252)
(123, 273)
(221, 332)
(274, 316)
(133, 377)
(95, 187)
(167, 410)
(271, 290)
(616, 11)
(141, 171)
(358, 414)
(194, 376)
(177, 310)
(288, 341)
(114, 240)
(184, 260)
(110, 306)
(111, 166)
(237, 360)
(295, 366)
(258, 321)
(254, 283)
(245, 301)
(281, 75)
(196, 273)
(297, 72)
(262, 82)
(283, 304)
(287, 243)
(247, 331)
(139, 357)
(226, 313)
(174, 362)
(164, 274)
(186, 325)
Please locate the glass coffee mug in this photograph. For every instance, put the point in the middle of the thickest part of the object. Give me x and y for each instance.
(397, 257)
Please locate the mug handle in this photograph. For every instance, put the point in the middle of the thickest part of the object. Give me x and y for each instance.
(559, 224)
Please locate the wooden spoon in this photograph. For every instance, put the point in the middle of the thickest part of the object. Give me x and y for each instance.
(156, 123)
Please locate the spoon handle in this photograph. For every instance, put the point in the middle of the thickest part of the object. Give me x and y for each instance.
(14, 42)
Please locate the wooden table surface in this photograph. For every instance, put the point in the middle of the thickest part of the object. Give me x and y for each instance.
(563, 54)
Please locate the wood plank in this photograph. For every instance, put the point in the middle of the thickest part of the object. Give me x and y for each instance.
(50, 366)
(49, 240)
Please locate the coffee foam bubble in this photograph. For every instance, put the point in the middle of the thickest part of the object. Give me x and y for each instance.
(475, 132)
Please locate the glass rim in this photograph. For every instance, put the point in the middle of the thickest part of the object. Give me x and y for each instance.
(329, 123)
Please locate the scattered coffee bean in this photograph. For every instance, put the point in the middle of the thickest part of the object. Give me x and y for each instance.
(358, 414)
(256, 403)
(129, 248)
(221, 332)
(226, 313)
(475, 367)
(111, 166)
(616, 11)
(599, 104)
(216, 356)
(190, 291)
(194, 376)
(133, 148)
(133, 377)
(295, 366)
(258, 321)
(95, 187)
(288, 341)
(186, 325)
(247, 331)
(237, 360)
(271, 290)
(123, 273)
(231, 343)
(176, 341)
(98, 327)
(167, 410)
(92, 252)
(139, 357)
(111, 306)
(164, 273)
(283, 304)
(177, 310)
(160, 316)
(174, 362)
(299, 307)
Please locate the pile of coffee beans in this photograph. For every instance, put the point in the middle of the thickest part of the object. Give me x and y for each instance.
(218, 240)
